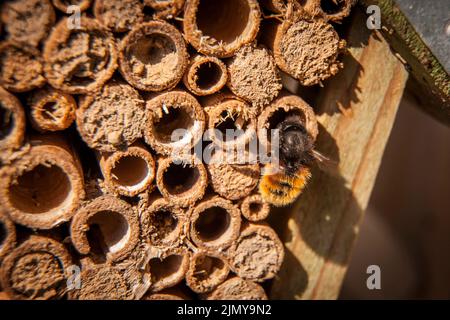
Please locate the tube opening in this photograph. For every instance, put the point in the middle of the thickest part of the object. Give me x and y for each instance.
(178, 179)
(6, 122)
(165, 223)
(255, 208)
(223, 20)
(130, 171)
(108, 233)
(50, 111)
(208, 75)
(3, 234)
(154, 57)
(332, 6)
(207, 267)
(40, 189)
(161, 269)
(278, 117)
(231, 121)
(176, 118)
(212, 223)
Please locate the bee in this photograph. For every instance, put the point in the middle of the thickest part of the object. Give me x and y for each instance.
(281, 185)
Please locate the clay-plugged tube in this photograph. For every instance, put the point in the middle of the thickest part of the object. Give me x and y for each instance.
(205, 75)
(112, 119)
(181, 184)
(258, 253)
(286, 105)
(167, 267)
(163, 224)
(7, 235)
(27, 21)
(119, 15)
(64, 5)
(37, 269)
(307, 49)
(51, 110)
(21, 67)
(79, 60)
(237, 288)
(214, 223)
(128, 172)
(230, 179)
(12, 120)
(254, 208)
(153, 56)
(220, 28)
(253, 75)
(106, 229)
(44, 187)
(225, 113)
(170, 111)
(101, 282)
(166, 9)
(330, 10)
(206, 271)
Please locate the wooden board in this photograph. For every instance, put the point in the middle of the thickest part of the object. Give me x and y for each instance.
(356, 111)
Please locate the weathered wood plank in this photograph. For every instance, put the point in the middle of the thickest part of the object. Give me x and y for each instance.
(356, 111)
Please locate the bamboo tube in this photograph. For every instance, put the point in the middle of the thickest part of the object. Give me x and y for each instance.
(119, 15)
(253, 75)
(214, 223)
(12, 120)
(64, 5)
(231, 179)
(258, 253)
(227, 112)
(220, 28)
(128, 172)
(168, 112)
(181, 184)
(43, 188)
(205, 75)
(20, 67)
(254, 208)
(7, 235)
(51, 110)
(286, 105)
(163, 224)
(37, 269)
(166, 9)
(307, 49)
(237, 288)
(101, 282)
(112, 119)
(153, 56)
(27, 21)
(330, 10)
(106, 229)
(206, 271)
(79, 60)
(167, 267)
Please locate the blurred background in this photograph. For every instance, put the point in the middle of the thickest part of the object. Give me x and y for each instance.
(406, 229)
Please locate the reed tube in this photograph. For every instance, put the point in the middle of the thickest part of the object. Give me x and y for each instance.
(330, 10)
(7, 235)
(214, 223)
(220, 28)
(79, 60)
(119, 15)
(153, 56)
(12, 120)
(37, 269)
(112, 119)
(258, 253)
(51, 110)
(205, 75)
(106, 229)
(237, 288)
(206, 271)
(174, 293)
(254, 208)
(181, 184)
(44, 187)
(167, 9)
(128, 172)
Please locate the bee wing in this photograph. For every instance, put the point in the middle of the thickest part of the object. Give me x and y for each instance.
(324, 163)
